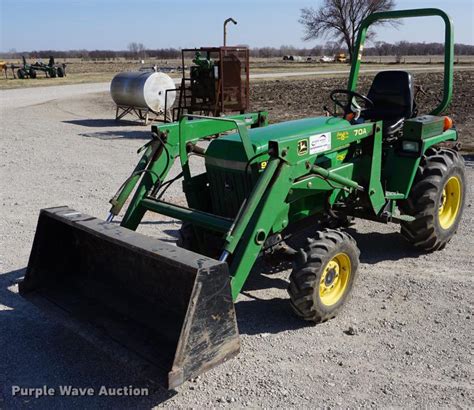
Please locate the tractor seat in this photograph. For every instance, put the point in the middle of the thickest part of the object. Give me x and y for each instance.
(393, 97)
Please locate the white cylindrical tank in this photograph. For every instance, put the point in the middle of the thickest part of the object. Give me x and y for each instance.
(143, 90)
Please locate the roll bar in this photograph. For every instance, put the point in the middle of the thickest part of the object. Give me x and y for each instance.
(391, 15)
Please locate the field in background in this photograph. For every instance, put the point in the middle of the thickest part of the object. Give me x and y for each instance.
(81, 71)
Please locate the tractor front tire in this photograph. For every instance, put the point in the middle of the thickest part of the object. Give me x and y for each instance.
(21, 74)
(199, 240)
(187, 238)
(32, 73)
(436, 200)
(323, 276)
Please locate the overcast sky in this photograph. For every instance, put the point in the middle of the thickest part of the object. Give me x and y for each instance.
(112, 24)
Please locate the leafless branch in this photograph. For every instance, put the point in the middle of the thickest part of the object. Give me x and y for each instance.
(340, 20)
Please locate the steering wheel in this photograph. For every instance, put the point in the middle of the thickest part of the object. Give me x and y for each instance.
(351, 105)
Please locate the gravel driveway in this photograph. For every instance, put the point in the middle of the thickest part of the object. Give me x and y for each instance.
(405, 339)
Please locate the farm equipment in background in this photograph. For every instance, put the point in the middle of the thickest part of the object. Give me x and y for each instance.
(51, 69)
(340, 58)
(4, 68)
(23, 71)
(146, 95)
(218, 82)
(326, 59)
(263, 186)
(295, 58)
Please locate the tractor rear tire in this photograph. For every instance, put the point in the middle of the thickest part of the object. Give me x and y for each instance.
(60, 72)
(52, 73)
(323, 276)
(436, 200)
(32, 73)
(21, 74)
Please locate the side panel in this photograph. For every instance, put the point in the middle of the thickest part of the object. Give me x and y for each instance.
(400, 168)
(376, 192)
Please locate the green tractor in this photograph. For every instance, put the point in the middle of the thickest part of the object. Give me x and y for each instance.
(379, 160)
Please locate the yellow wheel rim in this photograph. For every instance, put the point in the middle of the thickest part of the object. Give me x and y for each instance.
(450, 203)
(334, 279)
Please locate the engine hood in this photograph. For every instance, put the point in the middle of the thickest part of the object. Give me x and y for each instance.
(230, 149)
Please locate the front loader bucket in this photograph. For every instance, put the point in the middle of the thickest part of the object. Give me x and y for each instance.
(170, 306)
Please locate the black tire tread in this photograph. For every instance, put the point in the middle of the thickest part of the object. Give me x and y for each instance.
(186, 238)
(434, 167)
(309, 261)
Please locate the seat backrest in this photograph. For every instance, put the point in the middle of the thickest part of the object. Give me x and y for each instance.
(393, 96)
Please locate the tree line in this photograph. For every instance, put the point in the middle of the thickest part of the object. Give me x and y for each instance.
(137, 51)
(162, 53)
(378, 48)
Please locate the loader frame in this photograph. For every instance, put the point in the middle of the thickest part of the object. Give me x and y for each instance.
(287, 177)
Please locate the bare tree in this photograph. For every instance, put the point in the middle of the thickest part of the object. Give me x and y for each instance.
(332, 47)
(132, 47)
(341, 19)
(137, 49)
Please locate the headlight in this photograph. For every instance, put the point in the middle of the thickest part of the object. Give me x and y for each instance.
(411, 146)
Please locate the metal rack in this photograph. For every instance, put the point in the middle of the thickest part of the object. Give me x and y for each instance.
(216, 84)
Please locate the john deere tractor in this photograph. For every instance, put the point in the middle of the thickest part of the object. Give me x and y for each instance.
(378, 159)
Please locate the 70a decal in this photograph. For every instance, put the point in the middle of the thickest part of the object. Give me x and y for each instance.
(360, 132)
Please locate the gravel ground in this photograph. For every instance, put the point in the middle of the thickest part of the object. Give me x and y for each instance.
(405, 338)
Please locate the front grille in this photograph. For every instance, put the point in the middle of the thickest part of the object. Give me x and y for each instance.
(228, 190)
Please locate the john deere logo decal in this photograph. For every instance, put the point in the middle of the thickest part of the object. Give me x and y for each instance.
(302, 147)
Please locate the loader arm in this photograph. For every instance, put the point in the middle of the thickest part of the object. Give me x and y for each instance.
(256, 220)
(266, 209)
(169, 144)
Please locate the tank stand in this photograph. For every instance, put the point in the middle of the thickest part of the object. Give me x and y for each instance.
(144, 114)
